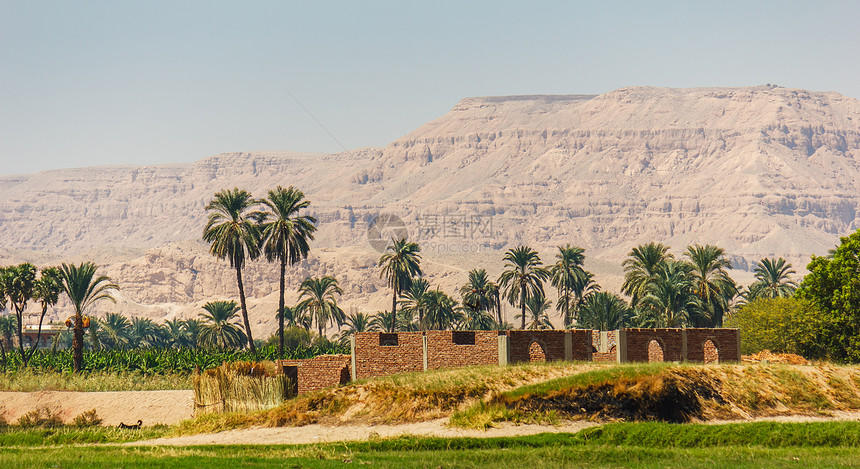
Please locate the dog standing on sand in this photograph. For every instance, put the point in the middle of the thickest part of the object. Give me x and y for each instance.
(131, 427)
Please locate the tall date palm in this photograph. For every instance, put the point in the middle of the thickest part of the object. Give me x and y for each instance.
(640, 269)
(233, 234)
(400, 264)
(567, 273)
(711, 283)
(286, 236)
(83, 288)
(523, 278)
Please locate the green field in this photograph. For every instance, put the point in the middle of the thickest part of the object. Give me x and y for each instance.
(834, 444)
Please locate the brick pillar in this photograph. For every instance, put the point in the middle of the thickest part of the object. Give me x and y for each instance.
(568, 346)
(424, 350)
(684, 344)
(621, 346)
(352, 356)
(504, 350)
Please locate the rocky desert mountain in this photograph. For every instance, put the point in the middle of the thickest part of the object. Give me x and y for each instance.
(759, 171)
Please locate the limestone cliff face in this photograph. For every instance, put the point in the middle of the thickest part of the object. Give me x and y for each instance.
(761, 171)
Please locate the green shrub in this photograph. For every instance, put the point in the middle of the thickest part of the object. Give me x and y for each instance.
(87, 419)
(43, 417)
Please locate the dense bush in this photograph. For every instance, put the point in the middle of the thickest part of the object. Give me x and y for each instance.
(782, 325)
(833, 286)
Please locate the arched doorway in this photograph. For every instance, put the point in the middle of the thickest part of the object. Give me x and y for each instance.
(712, 353)
(655, 351)
(536, 353)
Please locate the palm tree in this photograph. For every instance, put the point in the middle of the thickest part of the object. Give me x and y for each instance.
(671, 295)
(414, 299)
(441, 310)
(83, 289)
(116, 330)
(218, 330)
(640, 267)
(7, 330)
(173, 332)
(536, 309)
(477, 320)
(480, 294)
(711, 283)
(523, 277)
(381, 321)
(356, 322)
(773, 280)
(604, 311)
(232, 234)
(143, 332)
(583, 288)
(320, 302)
(19, 281)
(285, 236)
(566, 274)
(400, 264)
(193, 328)
(46, 291)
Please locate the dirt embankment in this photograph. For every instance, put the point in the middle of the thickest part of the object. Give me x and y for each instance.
(152, 407)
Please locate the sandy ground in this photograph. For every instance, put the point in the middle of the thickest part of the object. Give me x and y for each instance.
(153, 407)
(320, 433)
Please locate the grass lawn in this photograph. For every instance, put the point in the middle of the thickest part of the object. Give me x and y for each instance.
(616, 445)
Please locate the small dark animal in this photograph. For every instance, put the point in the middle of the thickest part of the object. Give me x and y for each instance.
(131, 427)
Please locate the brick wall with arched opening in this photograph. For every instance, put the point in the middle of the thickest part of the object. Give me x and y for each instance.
(536, 353)
(655, 351)
(711, 352)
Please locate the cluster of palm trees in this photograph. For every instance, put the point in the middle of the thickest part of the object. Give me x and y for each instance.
(521, 284)
(696, 290)
(20, 285)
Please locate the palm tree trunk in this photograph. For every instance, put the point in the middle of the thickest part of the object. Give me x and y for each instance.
(281, 309)
(245, 310)
(38, 335)
(78, 342)
(523, 305)
(20, 318)
(393, 310)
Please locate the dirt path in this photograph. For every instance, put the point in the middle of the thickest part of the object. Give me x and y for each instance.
(320, 433)
(153, 407)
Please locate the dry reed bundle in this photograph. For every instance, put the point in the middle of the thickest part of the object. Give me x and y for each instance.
(239, 387)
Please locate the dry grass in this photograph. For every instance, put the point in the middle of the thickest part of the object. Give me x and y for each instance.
(676, 393)
(548, 393)
(239, 387)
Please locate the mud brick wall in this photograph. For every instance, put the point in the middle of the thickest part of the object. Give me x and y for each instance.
(726, 341)
(671, 340)
(519, 342)
(581, 341)
(374, 359)
(611, 354)
(320, 372)
(449, 349)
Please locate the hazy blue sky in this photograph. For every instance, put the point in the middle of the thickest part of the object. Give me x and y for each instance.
(120, 82)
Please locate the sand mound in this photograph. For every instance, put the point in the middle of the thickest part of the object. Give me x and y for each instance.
(770, 357)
